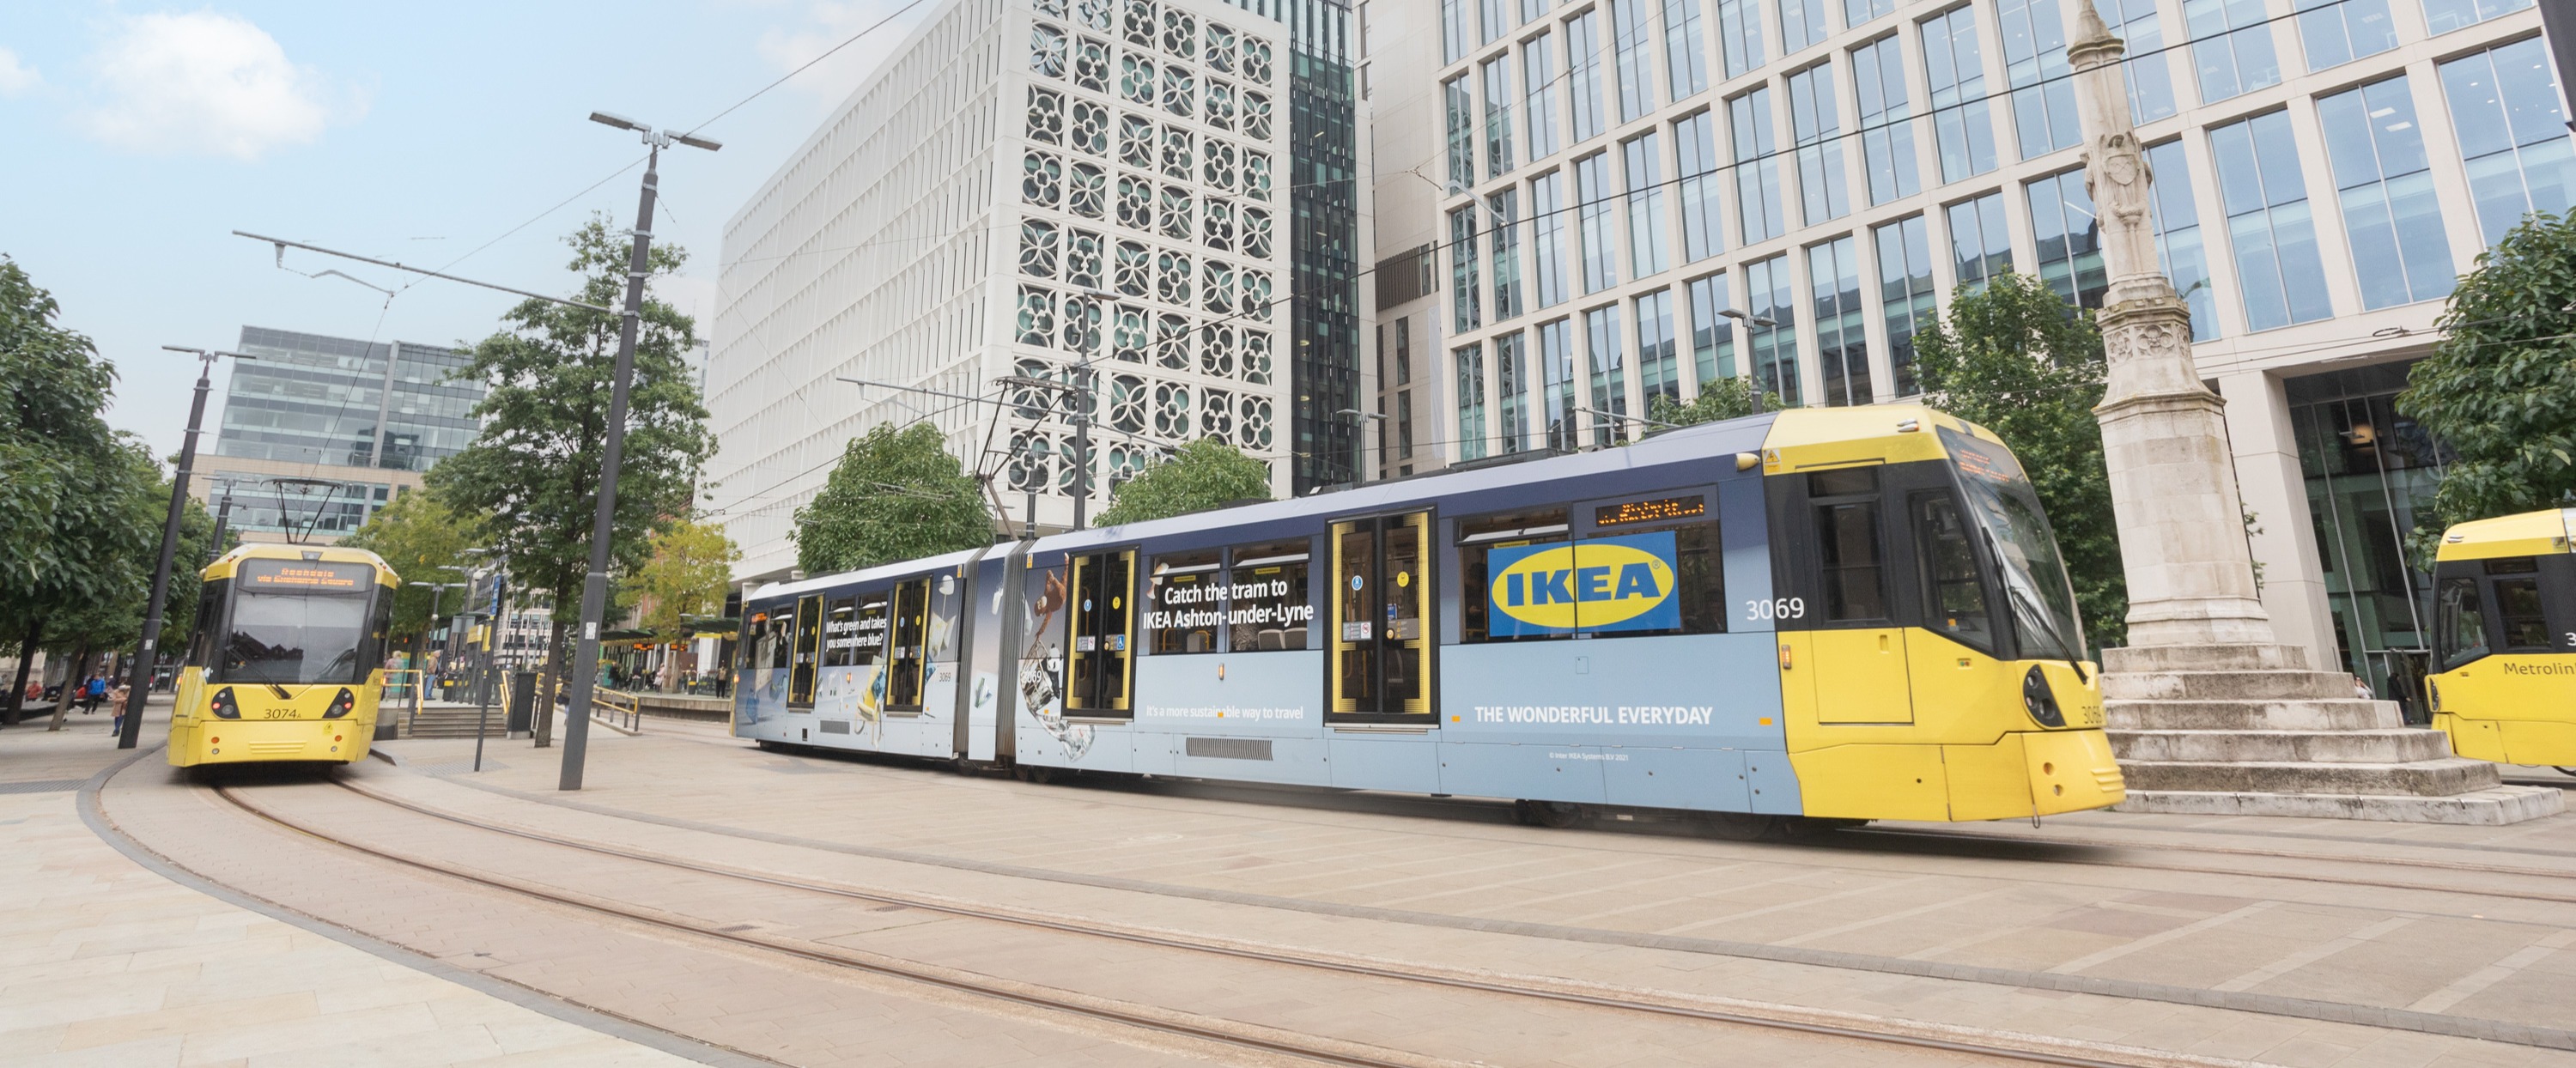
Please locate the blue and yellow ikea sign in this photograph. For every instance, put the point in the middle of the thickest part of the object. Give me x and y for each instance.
(1599, 585)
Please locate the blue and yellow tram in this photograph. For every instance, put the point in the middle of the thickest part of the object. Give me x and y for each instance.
(1846, 614)
(287, 663)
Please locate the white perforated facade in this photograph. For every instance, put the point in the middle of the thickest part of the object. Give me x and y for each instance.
(1026, 182)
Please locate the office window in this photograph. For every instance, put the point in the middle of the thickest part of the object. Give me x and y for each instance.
(1494, 19)
(1856, 12)
(1403, 351)
(1504, 218)
(1695, 146)
(1659, 368)
(2336, 32)
(2504, 108)
(1547, 247)
(1404, 425)
(1645, 207)
(2178, 246)
(2150, 77)
(1802, 23)
(1531, 10)
(1465, 310)
(1537, 77)
(1592, 195)
(2069, 238)
(1453, 31)
(1685, 60)
(2443, 16)
(1498, 116)
(1511, 394)
(2043, 98)
(1842, 332)
(1956, 70)
(1905, 293)
(1609, 373)
(2385, 187)
(1758, 212)
(1817, 128)
(1583, 75)
(1556, 371)
(1771, 287)
(1630, 32)
(1980, 242)
(1712, 334)
(2277, 267)
(2234, 53)
(1462, 134)
(1470, 361)
(1739, 33)
(1886, 139)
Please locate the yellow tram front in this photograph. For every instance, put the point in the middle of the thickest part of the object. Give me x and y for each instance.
(2504, 638)
(287, 662)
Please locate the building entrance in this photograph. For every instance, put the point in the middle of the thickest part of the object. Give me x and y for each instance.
(2370, 474)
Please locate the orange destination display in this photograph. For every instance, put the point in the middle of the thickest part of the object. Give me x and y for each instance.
(310, 576)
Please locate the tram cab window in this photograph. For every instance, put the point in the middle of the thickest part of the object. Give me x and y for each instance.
(905, 654)
(1102, 614)
(1478, 540)
(2459, 622)
(1185, 602)
(1850, 542)
(1268, 608)
(1954, 597)
(2518, 607)
(210, 613)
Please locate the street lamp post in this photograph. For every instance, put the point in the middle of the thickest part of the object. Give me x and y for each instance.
(1356, 415)
(1748, 322)
(130, 729)
(594, 586)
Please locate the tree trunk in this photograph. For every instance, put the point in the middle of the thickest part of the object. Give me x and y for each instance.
(63, 702)
(548, 678)
(26, 657)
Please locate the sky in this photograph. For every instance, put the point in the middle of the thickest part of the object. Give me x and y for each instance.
(139, 135)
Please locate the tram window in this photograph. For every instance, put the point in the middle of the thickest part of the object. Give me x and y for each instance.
(1699, 581)
(1270, 608)
(1954, 598)
(2526, 625)
(1842, 482)
(1478, 540)
(1849, 546)
(840, 625)
(1185, 602)
(2459, 622)
(867, 633)
(210, 610)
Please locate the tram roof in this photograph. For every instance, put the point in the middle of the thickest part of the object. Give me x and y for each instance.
(2540, 533)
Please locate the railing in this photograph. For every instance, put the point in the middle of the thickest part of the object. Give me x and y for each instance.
(625, 706)
(402, 697)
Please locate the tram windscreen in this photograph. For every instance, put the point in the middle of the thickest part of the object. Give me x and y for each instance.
(2016, 529)
(297, 621)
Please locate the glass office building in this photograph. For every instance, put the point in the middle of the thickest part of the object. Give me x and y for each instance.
(318, 432)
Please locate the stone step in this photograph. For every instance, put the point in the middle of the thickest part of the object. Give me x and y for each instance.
(452, 723)
(2395, 746)
(2206, 658)
(2421, 778)
(2225, 685)
(2306, 714)
(2491, 807)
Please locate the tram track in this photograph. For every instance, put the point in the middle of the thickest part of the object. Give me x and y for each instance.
(2032, 844)
(2003, 1046)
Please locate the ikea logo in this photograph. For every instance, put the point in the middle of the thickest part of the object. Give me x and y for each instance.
(1599, 585)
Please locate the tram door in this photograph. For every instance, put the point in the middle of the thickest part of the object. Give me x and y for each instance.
(1102, 613)
(906, 655)
(1382, 648)
(1856, 647)
(809, 641)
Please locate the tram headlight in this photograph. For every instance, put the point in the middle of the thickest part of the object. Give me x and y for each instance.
(2040, 700)
(223, 706)
(342, 705)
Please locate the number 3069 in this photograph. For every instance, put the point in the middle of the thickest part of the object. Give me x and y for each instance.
(1776, 608)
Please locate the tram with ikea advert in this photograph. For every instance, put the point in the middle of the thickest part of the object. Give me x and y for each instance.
(1833, 614)
(2504, 639)
(287, 664)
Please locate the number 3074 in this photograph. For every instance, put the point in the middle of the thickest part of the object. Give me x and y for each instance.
(1776, 608)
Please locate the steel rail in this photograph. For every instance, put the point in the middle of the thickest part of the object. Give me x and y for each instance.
(1926, 834)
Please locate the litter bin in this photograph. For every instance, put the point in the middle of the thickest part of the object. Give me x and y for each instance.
(523, 703)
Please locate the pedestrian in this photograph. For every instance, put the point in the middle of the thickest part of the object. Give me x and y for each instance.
(35, 689)
(93, 692)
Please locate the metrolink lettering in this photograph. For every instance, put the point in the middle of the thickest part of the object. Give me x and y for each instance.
(1646, 715)
(2539, 669)
(1570, 585)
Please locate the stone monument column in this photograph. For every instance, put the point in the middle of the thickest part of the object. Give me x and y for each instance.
(2207, 713)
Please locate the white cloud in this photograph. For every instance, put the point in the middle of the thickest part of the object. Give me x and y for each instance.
(15, 78)
(204, 83)
(828, 23)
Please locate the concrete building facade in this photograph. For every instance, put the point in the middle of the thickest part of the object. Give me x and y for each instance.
(1638, 196)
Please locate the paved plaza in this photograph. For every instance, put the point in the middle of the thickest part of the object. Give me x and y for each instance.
(824, 900)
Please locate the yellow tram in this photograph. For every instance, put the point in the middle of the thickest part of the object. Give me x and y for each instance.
(2504, 638)
(287, 662)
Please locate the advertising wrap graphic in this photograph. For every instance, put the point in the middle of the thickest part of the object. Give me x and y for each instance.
(1600, 585)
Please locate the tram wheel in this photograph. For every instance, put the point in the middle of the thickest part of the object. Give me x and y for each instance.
(1556, 814)
(1740, 826)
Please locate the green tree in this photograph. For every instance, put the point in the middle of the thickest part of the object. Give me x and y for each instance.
(895, 495)
(2500, 387)
(1727, 398)
(85, 632)
(1204, 474)
(2015, 359)
(424, 541)
(531, 475)
(687, 577)
(66, 480)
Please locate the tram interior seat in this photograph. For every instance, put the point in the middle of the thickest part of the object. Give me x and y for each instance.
(1272, 640)
(1294, 637)
(1199, 641)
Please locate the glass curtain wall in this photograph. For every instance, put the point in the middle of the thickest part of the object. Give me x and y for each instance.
(2370, 474)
